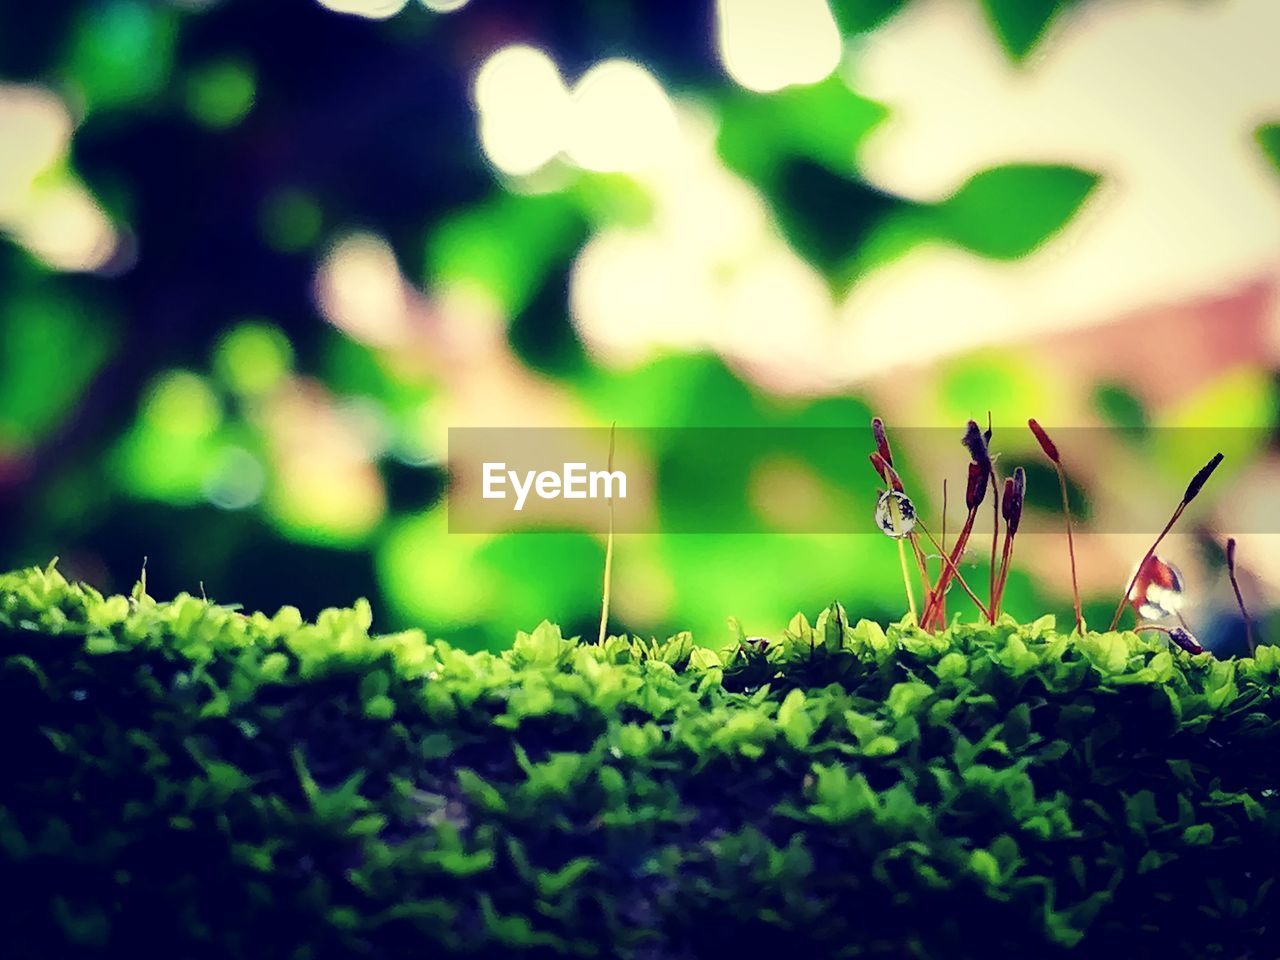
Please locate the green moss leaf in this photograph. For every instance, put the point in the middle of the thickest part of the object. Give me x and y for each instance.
(1024, 789)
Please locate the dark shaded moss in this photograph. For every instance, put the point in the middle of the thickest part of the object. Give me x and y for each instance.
(184, 780)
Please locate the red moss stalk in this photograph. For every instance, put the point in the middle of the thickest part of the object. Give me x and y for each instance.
(950, 566)
(1193, 489)
(1015, 489)
(1235, 585)
(1051, 451)
(975, 493)
(995, 523)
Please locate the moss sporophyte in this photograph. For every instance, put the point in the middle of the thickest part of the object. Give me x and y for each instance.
(1155, 592)
(244, 785)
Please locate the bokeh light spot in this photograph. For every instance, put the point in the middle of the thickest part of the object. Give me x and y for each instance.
(1001, 382)
(123, 52)
(360, 290)
(221, 94)
(432, 577)
(236, 479)
(253, 357)
(369, 9)
(62, 225)
(524, 108)
(183, 404)
(35, 129)
(291, 220)
(766, 45)
(622, 119)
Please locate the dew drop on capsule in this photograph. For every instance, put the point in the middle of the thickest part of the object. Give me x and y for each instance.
(1159, 592)
(895, 514)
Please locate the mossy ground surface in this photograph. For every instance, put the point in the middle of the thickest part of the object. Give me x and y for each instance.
(184, 780)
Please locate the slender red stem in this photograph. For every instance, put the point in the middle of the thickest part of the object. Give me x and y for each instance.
(1151, 552)
(944, 576)
(954, 571)
(1193, 490)
(1235, 585)
(995, 539)
(1006, 559)
(1071, 549)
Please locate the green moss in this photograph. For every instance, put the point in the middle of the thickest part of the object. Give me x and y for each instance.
(182, 779)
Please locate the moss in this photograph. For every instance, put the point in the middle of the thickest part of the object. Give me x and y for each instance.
(182, 779)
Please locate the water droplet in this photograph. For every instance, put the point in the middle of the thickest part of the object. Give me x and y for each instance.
(1159, 592)
(895, 514)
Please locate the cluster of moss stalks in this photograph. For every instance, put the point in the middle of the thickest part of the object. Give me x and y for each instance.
(184, 780)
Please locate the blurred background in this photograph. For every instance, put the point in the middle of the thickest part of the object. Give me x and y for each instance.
(257, 258)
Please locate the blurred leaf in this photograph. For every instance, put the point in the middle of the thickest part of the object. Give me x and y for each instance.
(160, 466)
(1268, 137)
(220, 94)
(742, 571)
(50, 348)
(824, 122)
(1003, 213)
(1233, 414)
(1121, 408)
(505, 246)
(541, 333)
(895, 235)
(432, 577)
(1006, 212)
(825, 216)
(682, 472)
(539, 575)
(1019, 24)
(352, 370)
(1025, 597)
(612, 199)
(489, 587)
(1242, 398)
(859, 16)
(1044, 492)
(290, 220)
(122, 51)
(673, 391)
(1002, 381)
(252, 357)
